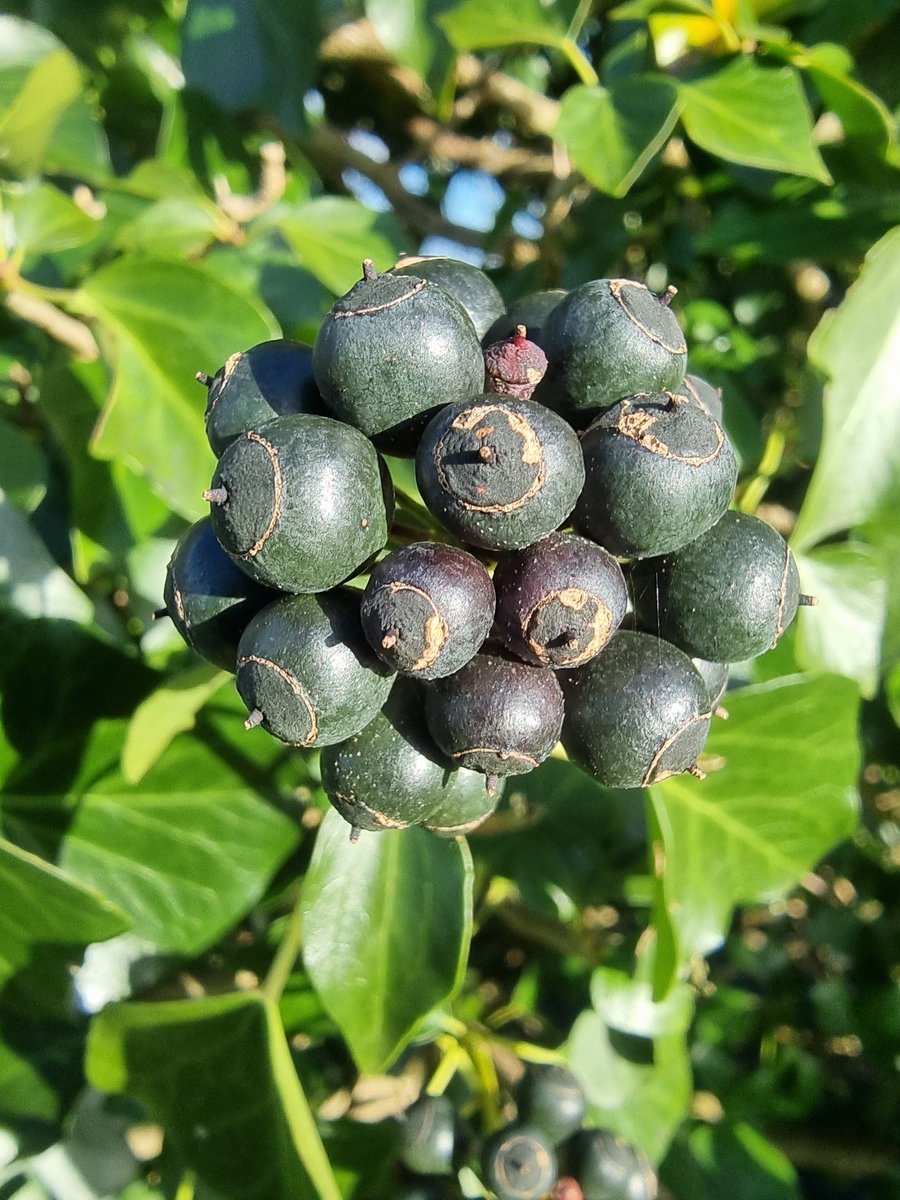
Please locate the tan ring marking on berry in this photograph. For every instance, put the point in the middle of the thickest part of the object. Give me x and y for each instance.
(179, 601)
(435, 630)
(782, 597)
(296, 687)
(689, 387)
(637, 423)
(542, 1158)
(651, 776)
(342, 315)
(532, 454)
(503, 754)
(278, 489)
(617, 288)
(379, 818)
(228, 370)
(574, 598)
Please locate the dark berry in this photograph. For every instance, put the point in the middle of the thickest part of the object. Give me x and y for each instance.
(514, 366)
(471, 287)
(530, 310)
(703, 395)
(393, 350)
(519, 1164)
(608, 339)
(428, 1136)
(608, 1168)
(306, 672)
(658, 473)
(460, 814)
(301, 503)
(496, 715)
(715, 676)
(209, 599)
(391, 774)
(559, 601)
(499, 473)
(551, 1098)
(427, 608)
(267, 381)
(637, 713)
(727, 596)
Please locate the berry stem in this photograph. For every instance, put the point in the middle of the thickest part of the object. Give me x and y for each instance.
(666, 297)
(203, 378)
(390, 639)
(369, 272)
(694, 770)
(491, 783)
(722, 713)
(255, 718)
(285, 957)
(807, 601)
(159, 613)
(355, 831)
(216, 495)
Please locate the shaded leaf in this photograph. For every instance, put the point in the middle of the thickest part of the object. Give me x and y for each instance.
(386, 926)
(166, 321)
(482, 24)
(170, 710)
(23, 468)
(408, 30)
(217, 1073)
(781, 790)
(755, 115)
(613, 133)
(734, 1158)
(857, 346)
(30, 581)
(843, 633)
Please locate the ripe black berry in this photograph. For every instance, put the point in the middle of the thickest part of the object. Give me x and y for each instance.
(471, 287)
(727, 596)
(608, 339)
(519, 1164)
(460, 813)
(267, 381)
(659, 472)
(608, 1168)
(559, 601)
(208, 598)
(428, 1136)
(391, 351)
(500, 473)
(637, 713)
(427, 608)
(300, 504)
(715, 676)
(306, 672)
(496, 715)
(703, 395)
(551, 1098)
(531, 310)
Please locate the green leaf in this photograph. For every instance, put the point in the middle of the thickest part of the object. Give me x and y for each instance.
(253, 54)
(217, 1074)
(332, 235)
(755, 115)
(185, 853)
(176, 227)
(864, 117)
(23, 468)
(892, 689)
(627, 1004)
(643, 1097)
(30, 581)
(46, 220)
(41, 904)
(857, 347)
(780, 792)
(484, 24)
(843, 633)
(613, 133)
(166, 321)
(712, 1160)
(408, 30)
(170, 710)
(386, 927)
(27, 125)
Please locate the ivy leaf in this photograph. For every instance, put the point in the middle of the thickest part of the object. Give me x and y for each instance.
(30, 581)
(755, 115)
(27, 125)
(857, 346)
(217, 1073)
(781, 790)
(386, 926)
(613, 133)
(166, 321)
(484, 24)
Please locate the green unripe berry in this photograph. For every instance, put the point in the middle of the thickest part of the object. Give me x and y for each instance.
(428, 1136)
(306, 672)
(270, 380)
(530, 310)
(635, 714)
(551, 1098)
(608, 1168)
(391, 774)
(209, 599)
(471, 287)
(608, 339)
(499, 472)
(393, 350)
(727, 596)
(715, 676)
(460, 814)
(703, 395)
(659, 472)
(519, 1164)
(301, 503)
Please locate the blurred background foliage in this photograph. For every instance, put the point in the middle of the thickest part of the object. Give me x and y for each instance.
(181, 179)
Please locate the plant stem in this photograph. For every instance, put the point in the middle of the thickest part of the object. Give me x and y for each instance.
(582, 12)
(772, 454)
(285, 957)
(578, 61)
(186, 1186)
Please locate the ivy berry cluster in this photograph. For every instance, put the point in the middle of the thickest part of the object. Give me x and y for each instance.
(578, 575)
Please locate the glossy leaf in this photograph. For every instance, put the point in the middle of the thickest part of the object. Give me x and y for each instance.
(781, 790)
(755, 115)
(27, 124)
(40, 904)
(218, 1074)
(857, 347)
(46, 220)
(613, 133)
(23, 468)
(483, 24)
(165, 321)
(730, 1158)
(843, 633)
(864, 117)
(30, 581)
(185, 853)
(170, 710)
(386, 926)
